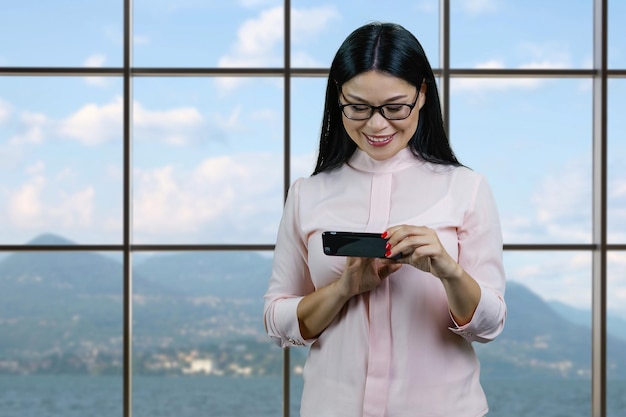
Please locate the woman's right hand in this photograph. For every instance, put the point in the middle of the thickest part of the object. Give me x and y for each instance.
(319, 308)
(363, 275)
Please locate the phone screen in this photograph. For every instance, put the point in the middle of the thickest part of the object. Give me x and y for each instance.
(365, 245)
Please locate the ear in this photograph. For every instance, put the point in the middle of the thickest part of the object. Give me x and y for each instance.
(422, 98)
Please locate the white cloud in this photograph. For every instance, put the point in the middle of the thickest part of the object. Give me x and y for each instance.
(260, 40)
(257, 41)
(75, 210)
(5, 111)
(24, 205)
(308, 23)
(258, 45)
(93, 124)
(95, 61)
(555, 276)
(561, 209)
(562, 213)
(538, 56)
(547, 55)
(490, 84)
(36, 169)
(303, 165)
(563, 204)
(498, 84)
(481, 84)
(173, 126)
(33, 205)
(229, 198)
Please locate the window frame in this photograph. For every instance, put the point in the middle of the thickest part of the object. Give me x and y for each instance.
(599, 248)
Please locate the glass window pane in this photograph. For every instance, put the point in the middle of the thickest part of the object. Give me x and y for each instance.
(61, 334)
(537, 160)
(307, 111)
(616, 334)
(61, 159)
(541, 363)
(317, 30)
(208, 159)
(198, 316)
(297, 358)
(616, 216)
(61, 33)
(529, 34)
(208, 34)
(617, 34)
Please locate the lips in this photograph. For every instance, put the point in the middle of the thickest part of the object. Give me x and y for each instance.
(379, 140)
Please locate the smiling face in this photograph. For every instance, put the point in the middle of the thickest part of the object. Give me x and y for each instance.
(378, 137)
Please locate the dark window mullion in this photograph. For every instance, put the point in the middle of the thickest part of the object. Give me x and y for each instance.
(127, 209)
(599, 193)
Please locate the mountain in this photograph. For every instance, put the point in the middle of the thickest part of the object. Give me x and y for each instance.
(227, 274)
(539, 340)
(69, 305)
(616, 326)
(59, 301)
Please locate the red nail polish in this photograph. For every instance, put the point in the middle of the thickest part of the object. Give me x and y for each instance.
(388, 253)
(387, 245)
(384, 235)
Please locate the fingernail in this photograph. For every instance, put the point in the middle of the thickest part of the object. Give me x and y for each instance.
(384, 235)
(387, 245)
(388, 253)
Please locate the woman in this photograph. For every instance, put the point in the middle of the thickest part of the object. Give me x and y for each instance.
(388, 337)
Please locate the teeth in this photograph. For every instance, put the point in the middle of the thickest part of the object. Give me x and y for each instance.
(375, 139)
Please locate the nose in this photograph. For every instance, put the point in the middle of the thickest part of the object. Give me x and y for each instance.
(377, 122)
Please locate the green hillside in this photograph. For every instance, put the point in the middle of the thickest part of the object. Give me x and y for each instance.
(66, 308)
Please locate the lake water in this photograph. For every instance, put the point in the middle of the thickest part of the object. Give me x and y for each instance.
(194, 396)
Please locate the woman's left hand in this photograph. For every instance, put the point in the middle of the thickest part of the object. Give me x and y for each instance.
(420, 247)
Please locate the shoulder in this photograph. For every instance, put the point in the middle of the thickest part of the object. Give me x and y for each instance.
(459, 174)
(463, 183)
(315, 183)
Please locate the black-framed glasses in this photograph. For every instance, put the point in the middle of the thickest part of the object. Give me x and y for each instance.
(391, 111)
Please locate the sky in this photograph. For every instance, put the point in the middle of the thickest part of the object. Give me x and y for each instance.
(208, 152)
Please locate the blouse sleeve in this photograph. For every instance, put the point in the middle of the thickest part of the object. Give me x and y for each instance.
(290, 280)
(480, 255)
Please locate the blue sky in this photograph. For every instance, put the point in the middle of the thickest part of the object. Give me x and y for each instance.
(208, 152)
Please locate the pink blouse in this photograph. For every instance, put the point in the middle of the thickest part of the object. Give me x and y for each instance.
(395, 351)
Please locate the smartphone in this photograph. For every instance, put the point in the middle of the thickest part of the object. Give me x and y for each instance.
(364, 245)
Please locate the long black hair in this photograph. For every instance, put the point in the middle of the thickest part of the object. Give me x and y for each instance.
(391, 49)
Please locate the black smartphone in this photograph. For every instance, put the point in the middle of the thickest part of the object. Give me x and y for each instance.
(364, 245)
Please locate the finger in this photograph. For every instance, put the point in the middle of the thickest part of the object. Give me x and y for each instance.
(406, 247)
(398, 234)
(388, 269)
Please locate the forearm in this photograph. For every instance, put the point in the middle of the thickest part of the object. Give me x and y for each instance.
(463, 294)
(318, 309)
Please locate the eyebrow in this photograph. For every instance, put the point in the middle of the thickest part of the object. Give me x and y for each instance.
(357, 98)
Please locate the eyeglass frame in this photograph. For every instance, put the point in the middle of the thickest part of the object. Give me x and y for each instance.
(378, 108)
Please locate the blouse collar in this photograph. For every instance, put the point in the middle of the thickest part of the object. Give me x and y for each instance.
(361, 161)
